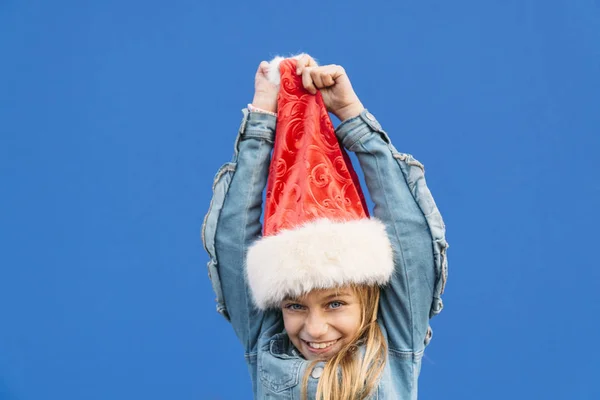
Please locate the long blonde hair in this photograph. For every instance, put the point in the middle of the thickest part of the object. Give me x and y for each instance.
(347, 376)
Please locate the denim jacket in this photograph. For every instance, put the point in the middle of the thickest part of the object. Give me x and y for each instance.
(415, 227)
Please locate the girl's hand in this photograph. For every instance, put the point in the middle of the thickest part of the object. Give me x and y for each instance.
(265, 93)
(334, 84)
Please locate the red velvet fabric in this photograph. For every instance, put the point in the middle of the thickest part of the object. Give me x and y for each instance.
(310, 175)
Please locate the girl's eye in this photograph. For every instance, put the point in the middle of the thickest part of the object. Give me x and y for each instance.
(335, 304)
(294, 307)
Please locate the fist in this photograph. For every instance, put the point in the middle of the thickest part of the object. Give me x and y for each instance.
(265, 92)
(333, 83)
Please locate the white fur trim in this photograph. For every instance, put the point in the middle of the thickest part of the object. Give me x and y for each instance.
(273, 75)
(318, 255)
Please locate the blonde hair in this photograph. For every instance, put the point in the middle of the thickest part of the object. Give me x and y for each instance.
(347, 376)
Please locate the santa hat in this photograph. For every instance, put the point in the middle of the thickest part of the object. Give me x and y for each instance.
(317, 231)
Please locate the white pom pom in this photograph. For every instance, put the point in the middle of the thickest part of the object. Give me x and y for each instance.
(274, 76)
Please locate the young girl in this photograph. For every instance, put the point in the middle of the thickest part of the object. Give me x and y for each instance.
(325, 309)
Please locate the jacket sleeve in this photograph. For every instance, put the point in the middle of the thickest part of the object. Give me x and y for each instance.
(233, 223)
(397, 186)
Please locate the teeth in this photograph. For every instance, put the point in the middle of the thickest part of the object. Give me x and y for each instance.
(321, 345)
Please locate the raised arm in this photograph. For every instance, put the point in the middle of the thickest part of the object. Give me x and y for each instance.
(403, 203)
(233, 219)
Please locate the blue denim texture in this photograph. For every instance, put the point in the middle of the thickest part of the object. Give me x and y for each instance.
(397, 186)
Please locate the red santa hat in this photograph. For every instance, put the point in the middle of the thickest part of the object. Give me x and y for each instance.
(317, 231)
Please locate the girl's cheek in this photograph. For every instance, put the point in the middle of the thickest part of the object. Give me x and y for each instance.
(348, 322)
(292, 323)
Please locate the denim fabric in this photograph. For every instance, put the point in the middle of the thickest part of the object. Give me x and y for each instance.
(402, 201)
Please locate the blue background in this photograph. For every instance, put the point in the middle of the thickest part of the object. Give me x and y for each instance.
(115, 115)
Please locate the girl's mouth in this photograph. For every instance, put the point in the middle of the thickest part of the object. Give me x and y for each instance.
(320, 347)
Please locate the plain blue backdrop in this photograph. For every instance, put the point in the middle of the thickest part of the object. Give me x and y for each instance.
(115, 116)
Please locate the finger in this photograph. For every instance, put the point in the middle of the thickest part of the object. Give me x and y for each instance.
(334, 71)
(327, 76)
(262, 68)
(331, 74)
(307, 81)
(316, 75)
(303, 62)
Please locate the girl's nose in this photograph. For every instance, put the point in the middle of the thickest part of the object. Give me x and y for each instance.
(316, 326)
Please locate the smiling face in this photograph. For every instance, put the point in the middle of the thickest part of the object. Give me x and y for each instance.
(323, 321)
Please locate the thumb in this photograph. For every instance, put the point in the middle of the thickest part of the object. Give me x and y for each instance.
(263, 69)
